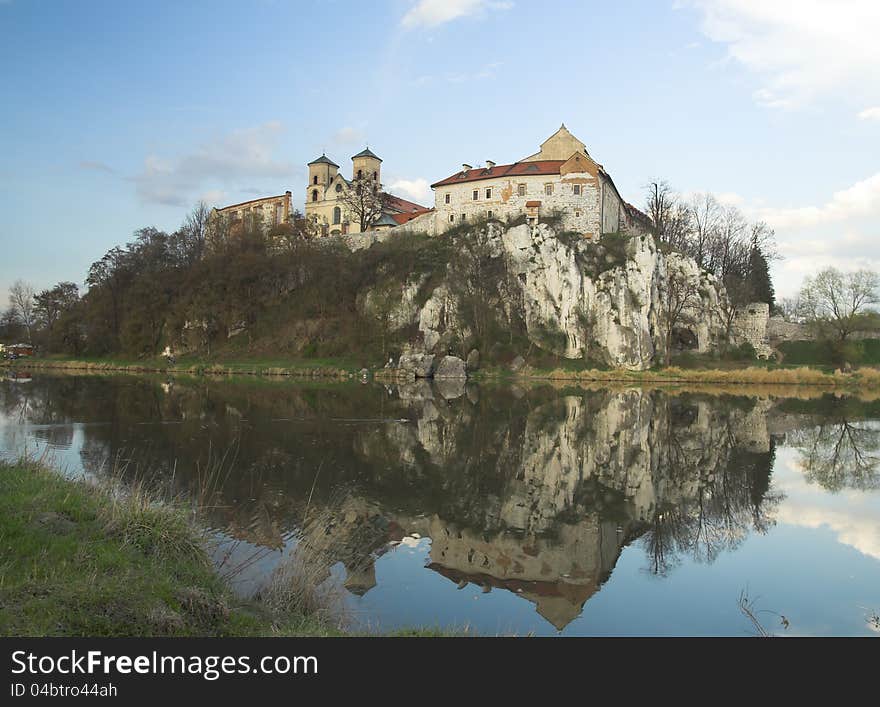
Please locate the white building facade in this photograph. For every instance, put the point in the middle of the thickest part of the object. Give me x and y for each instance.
(560, 179)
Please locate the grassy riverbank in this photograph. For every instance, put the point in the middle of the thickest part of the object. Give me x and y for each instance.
(305, 368)
(81, 559)
(860, 379)
(727, 373)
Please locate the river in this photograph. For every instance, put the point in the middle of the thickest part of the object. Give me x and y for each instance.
(502, 509)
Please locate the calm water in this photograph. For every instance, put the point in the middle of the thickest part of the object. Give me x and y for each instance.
(508, 510)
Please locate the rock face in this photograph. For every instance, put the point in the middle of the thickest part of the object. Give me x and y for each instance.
(415, 364)
(450, 367)
(576, 297)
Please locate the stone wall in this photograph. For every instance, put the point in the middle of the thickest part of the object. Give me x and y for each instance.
(750, 326)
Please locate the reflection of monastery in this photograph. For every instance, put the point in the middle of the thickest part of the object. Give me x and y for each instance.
(560, 180)
(585, 477)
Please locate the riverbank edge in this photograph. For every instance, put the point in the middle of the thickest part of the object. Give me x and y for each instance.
(864, 378)
(84, 558)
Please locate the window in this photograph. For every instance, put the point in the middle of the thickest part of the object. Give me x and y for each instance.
(360, 173)
(338, 188)
(548, 189)
(337, 214)
(577, 214)
(489, 193)
(489, 214)
(451, 218)
(521, 190)
(447, 198)
(315, 195)
(464, 217)
(476, 194)
(375, 176)
(577, 189)
(315, 179)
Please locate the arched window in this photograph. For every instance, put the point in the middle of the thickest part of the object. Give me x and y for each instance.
(315, 195)
(337, 214)
(338, 187)
(360, 173)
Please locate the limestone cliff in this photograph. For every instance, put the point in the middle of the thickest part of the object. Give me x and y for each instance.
(599, 299)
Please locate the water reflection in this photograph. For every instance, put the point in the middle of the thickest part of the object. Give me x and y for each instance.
(534, 492)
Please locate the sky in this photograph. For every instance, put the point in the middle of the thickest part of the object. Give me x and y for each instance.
(118, 115)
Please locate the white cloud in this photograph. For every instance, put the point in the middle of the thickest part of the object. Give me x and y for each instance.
(418, 190)
(842, 232)
(799, 50)
(246, 154)
(431, 13)
(870, 113)
(861, 199)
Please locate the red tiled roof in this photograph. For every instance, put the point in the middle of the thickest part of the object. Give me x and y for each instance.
(638, 214)
(405, 218)
(395, 203)
(524, 169)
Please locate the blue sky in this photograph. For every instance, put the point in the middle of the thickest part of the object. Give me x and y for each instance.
(121, 115)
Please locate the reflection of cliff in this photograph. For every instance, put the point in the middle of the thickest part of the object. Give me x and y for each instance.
(530, 491)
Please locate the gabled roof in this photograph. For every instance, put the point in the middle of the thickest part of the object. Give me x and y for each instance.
(524, 169)
(395, 203)
(323, 159)
(366, 153)
(402, 218)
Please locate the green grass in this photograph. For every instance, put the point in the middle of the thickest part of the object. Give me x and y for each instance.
(818, 353)
(332, 367)
(78, 560)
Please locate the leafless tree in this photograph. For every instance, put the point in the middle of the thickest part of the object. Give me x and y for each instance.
(195, 229)
(706, 215)
(21, 302)
(836, 303)
(671, 217)
(678, 294)
(365, 201)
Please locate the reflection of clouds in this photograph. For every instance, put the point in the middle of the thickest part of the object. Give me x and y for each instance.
(861, 531)
(853, 515)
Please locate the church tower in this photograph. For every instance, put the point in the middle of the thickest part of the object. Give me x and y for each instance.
(321, 171)
(366, 164)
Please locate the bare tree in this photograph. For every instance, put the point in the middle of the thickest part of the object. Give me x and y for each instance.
(672, 218)
(195, 230)
(678, 294)
(836, 303)
(21, 302)
(365, 201)
(706, 214)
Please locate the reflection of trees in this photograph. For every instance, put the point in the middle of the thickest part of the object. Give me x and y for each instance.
(722, 490)
(840, 454)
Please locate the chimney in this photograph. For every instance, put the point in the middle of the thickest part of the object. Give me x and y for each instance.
(489, 164)
(466, 167)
